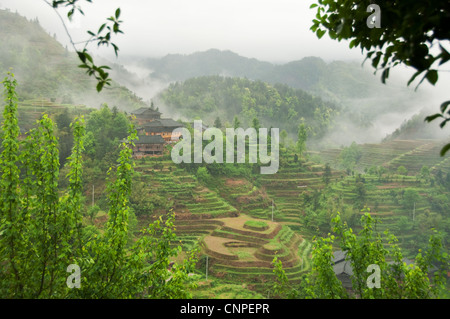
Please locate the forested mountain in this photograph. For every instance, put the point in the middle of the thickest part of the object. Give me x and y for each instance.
(146, 227)
(334, 80)
(369, 110)
(212, 97)
(417, 128)
(46, 69)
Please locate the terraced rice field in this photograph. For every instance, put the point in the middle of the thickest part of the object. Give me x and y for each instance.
(412, 154)
(219, 219)
(191, 199)
(424, 155)
(384, 198)
(225, 225)
(239, 253)
(286, 187)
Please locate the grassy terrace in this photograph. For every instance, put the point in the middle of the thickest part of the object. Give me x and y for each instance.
(411, 153)
(31, 110)
(233, 222)
(384, 198)
(288, 184)
(245, 255)
(424, 155)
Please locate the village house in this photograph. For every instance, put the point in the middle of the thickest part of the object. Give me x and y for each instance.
(148, 146)
(344, 272)
(343, 269)
(162, 127)
(154, 132)
(146, 115)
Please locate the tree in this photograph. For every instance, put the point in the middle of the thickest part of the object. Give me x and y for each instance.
(256, 125)
(236, 122)
(301, 140)
(63, 121)
(404, 224)
(425, 173)
(42, 232)
(380, 171)
(203, 175)
(410, 197)
(399, 40)
(361, 193)
(11, 217)
(103, 37)
(350, 156)
(327, 174)
(401, 170)
(283, 137)
(367, 251)
(218, 123)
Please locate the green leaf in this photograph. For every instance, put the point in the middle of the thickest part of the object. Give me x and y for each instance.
(432, 76)
(432, 117)
(445, 149)
(100, 86)
(320, 33)
(385, 75)
(70, 13)
(414, 76)
(88, 57)
(117, 13)
(443, 123)
(444, 106)
(313, 5)
(81, 56)
(101, 28)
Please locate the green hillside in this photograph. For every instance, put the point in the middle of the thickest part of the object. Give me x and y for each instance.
(45, 69)
(239, 219)
(280, 106)
(335, 80)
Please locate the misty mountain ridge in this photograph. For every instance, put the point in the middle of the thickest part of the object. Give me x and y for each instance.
(369, 110)
(334, 80)
(45, 69)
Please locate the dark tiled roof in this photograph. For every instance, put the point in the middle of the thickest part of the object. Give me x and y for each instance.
(343, 267)
(143, 110)
(150, 139)
(339, 256)
(340, 265)
(163, 123)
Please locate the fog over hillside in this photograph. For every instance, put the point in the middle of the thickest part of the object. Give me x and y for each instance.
(257, 40)
(381, 108)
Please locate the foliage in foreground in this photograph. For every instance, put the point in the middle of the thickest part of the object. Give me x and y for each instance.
(399, 38)
(365, 251)
(42, 231)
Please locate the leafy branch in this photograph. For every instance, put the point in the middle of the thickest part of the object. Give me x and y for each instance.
(103, 37)
(409, 34)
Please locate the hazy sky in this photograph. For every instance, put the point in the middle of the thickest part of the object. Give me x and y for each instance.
(270, 30)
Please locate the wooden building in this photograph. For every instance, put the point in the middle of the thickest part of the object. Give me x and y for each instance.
(161, 127)
(154, 132)
(148, 146)
(343, 269)
(146, 115)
